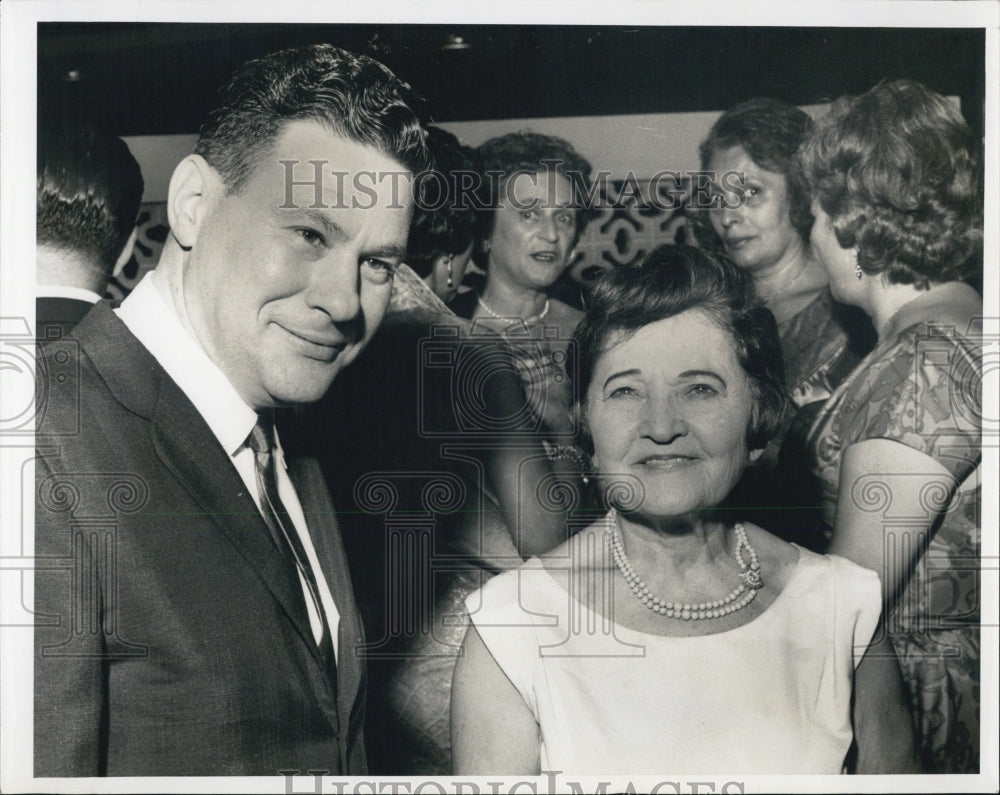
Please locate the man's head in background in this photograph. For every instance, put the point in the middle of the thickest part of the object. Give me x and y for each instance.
(289, 219)
(89, 187)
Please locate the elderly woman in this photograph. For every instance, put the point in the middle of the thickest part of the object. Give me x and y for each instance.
(665, 636)
(767, 234)
(899, 222)
(534, 217)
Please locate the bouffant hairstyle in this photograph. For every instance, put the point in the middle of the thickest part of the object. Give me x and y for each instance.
(897, 171)
(351, 95)
(503, 157)
(444, 217)
(672, 280)
(770, 132)
(89, 187)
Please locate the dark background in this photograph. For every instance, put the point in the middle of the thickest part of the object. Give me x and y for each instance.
(150, 79)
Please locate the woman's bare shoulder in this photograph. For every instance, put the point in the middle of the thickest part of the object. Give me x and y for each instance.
(583, 549)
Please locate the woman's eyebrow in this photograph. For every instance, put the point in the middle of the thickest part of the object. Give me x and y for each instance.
(620, 374)
(702, 374)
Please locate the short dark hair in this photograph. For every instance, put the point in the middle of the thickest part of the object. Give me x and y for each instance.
(770, 132)
(351, 95)
(527, 153)
(89, 188)
(443, 219)
(897, 170)
(672, 280)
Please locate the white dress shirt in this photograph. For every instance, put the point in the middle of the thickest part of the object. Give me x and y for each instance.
(65, 291)
(158, 327)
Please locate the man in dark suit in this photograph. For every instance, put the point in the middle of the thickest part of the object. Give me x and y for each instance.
(87, 200)
(194, 610)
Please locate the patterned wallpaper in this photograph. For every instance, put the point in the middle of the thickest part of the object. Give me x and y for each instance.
(153, 231)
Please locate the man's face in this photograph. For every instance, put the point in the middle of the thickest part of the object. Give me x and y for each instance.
(282, 298)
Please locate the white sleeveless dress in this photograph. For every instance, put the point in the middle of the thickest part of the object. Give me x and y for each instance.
(770, 697)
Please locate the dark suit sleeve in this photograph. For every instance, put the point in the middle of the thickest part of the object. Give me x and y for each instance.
(69, 641)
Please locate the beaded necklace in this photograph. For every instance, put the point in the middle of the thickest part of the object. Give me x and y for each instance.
(527, 321)
(742, 595)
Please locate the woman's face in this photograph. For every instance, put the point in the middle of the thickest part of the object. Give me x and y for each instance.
(670, 406)
(759, 233)
(839, 263)
(533, 231)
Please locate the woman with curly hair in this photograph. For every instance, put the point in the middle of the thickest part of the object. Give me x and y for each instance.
(897, 197)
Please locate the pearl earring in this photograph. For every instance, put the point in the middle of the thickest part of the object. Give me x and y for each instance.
(858, 272)
(450, 282)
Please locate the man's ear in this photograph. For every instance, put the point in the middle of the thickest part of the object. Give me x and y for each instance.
(754, 455)
(123, 258)
(194, 187)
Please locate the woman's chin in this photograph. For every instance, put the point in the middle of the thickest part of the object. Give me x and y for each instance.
(741, 257)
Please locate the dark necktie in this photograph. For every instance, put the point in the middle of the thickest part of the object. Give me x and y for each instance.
(261, 441)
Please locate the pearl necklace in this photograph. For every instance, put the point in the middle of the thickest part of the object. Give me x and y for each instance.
(527, 321)
(742, 595)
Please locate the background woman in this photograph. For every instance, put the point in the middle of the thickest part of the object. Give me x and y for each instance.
(768, 236)
(574, 663)
(531, 186)
(898, 208)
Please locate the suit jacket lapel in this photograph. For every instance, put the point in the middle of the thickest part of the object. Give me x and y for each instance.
(189, 449)
(310, 485)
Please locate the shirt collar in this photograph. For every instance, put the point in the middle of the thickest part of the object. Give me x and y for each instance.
(65, 291)
(158, 327)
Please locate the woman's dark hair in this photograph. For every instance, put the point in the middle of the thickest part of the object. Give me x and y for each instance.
(443, 216)
(351, 95)
(897, 171)
(527, 153)
(770, 132)
(672, 280)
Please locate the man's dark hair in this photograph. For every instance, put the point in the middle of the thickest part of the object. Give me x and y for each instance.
(89, 187)
(351, 95)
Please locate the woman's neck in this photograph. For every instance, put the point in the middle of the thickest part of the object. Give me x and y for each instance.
(791, 283)
(895, 306)
(510, 300)
(674, 544)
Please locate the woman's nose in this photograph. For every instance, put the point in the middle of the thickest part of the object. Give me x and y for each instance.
(549, 229)
(729, 217)
(663, 423)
